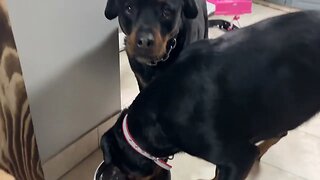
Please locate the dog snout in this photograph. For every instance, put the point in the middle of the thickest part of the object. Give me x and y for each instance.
(145, 40)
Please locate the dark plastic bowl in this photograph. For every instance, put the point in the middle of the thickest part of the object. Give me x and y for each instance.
(110, 172)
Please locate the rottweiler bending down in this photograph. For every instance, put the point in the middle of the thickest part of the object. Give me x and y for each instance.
(223, 96)
(157, 31)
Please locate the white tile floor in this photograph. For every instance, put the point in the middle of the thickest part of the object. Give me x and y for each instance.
(295, 157)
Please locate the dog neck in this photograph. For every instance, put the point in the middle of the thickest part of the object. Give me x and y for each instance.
(147, 134)
(130, 140)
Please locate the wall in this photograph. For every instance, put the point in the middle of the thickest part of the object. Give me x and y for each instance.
(306, 4)
(302, 4)
(69, 56)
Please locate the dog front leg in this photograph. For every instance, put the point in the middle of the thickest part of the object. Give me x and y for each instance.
(234, 161)
(220, 172)
(241, 157)
(266, 145)
(216, 177)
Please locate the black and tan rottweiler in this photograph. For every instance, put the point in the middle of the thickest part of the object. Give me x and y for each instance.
(157, 31)
(222, 96)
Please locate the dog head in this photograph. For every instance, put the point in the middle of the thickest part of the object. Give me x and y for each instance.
(118, 153)
(150, 24)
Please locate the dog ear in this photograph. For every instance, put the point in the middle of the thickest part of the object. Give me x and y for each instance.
(111, 10)
(105, 144)
(190, 9)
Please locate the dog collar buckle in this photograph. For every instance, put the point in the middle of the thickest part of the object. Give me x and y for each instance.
(137, 148)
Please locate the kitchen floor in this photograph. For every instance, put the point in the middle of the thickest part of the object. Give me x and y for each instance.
(295, 157)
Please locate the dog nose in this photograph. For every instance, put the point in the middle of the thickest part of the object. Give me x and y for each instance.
(145, 40)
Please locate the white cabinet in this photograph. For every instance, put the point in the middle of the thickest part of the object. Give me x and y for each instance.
(70, 61)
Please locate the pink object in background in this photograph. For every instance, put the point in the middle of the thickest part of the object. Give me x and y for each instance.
(232, 7)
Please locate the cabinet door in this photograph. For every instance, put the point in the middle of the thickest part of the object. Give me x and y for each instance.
(70, 61)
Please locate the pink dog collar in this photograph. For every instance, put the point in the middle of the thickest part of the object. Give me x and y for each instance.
(135, 146)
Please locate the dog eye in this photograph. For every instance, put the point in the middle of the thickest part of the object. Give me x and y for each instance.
(166, 13)
(129, 9)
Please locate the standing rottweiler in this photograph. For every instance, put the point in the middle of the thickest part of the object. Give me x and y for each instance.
(247, 86)
(157, 31)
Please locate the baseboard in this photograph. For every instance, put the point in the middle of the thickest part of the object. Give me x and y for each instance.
(71, 156)
(275, 6)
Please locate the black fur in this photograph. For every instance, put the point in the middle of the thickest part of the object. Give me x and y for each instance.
(224, 95)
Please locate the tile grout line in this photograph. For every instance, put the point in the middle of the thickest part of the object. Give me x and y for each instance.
(307, 133)
(291, 173)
